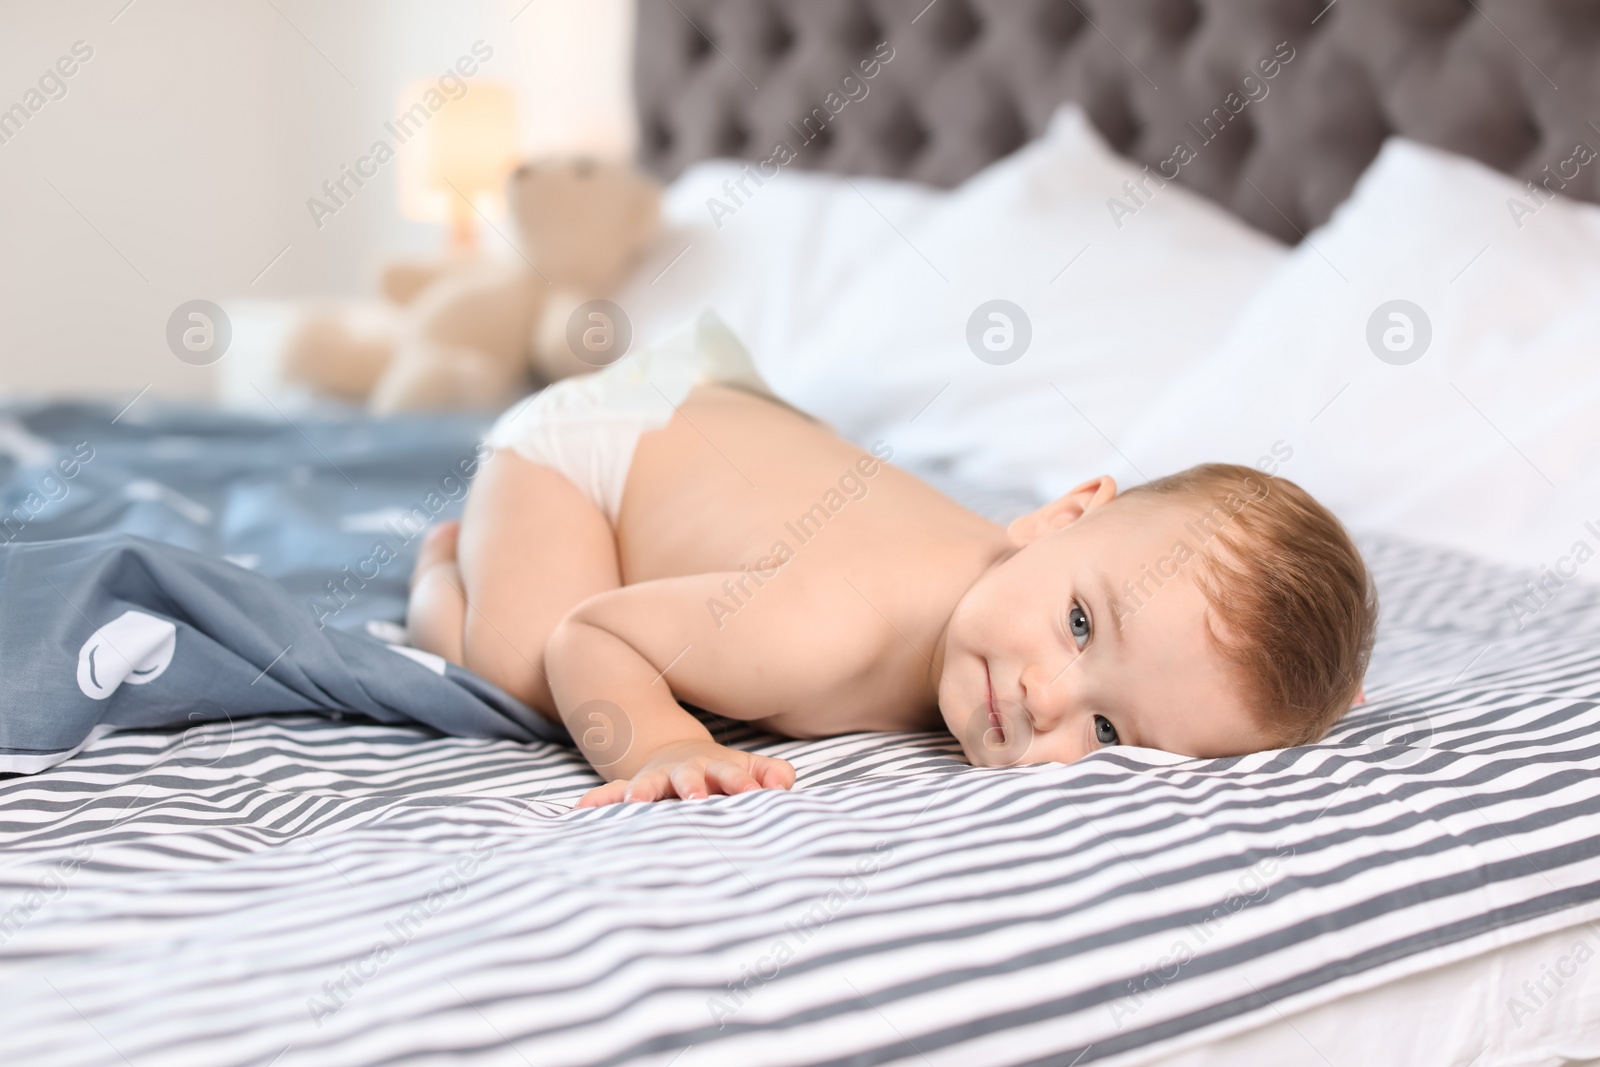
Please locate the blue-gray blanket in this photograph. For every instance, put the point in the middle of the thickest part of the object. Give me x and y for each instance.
(159, 569)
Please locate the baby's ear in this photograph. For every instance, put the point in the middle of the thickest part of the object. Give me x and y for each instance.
(1063, 511)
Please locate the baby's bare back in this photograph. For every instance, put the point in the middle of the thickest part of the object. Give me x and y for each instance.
(810, 579)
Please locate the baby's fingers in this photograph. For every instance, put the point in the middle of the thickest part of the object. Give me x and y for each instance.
(773, 773)
(689, 782)
(601, 795)
(731, 778)
(647, 787)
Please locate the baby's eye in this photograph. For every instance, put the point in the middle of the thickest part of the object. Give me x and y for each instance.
(1104, 732)
(1078, 624)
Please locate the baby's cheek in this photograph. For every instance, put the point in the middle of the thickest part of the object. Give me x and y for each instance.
(972, 623)
(1001, 625)
(1054, 748)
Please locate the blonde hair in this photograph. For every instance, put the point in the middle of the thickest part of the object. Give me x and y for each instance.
(1298, 608)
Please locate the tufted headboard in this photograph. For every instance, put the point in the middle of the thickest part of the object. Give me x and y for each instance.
(1514, 83)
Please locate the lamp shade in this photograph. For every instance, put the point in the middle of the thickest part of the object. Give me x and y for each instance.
(456, 152)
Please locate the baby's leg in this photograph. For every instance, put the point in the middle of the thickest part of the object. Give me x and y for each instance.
(532, 548)
(436, 614)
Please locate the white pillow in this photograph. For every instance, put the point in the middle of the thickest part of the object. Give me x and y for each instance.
(824, 278)
(774, 265)
(1490, 439)
(1118, 306)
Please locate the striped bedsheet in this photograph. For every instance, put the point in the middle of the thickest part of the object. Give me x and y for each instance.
(299, 891)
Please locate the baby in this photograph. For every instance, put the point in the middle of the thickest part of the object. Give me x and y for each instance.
(667, 530)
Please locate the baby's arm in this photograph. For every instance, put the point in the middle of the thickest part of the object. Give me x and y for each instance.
(620, 661)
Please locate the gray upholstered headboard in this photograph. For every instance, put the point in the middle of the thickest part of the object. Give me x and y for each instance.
(1515, 83)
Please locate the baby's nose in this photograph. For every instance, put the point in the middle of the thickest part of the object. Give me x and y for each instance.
(1046, 695)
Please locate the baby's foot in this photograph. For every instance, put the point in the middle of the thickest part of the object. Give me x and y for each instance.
(438, 546)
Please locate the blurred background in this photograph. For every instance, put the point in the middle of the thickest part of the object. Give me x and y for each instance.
(176, 162)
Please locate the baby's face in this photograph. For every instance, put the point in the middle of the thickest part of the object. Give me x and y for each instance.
(1049, 657)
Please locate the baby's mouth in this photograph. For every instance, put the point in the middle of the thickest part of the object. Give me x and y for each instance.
(996, 721)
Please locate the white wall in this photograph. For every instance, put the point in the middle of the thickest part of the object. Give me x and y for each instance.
(179, 162)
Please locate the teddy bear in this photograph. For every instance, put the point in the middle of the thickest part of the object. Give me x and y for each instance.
(478, 332)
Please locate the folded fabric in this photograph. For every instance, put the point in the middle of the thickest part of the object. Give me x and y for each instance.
(110, 631)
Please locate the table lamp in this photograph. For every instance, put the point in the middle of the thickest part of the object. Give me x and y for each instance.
(455, 154)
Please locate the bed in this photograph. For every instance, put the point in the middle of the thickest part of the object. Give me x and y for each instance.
(1421, 888)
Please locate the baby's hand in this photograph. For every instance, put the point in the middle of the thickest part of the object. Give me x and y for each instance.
(694, 769)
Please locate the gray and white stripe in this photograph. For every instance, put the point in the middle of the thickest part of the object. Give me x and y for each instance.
(300, 891)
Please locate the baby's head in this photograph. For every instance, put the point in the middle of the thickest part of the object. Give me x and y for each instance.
(1213, 612)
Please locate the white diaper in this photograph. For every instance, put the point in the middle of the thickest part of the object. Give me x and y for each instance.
(587, 427)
